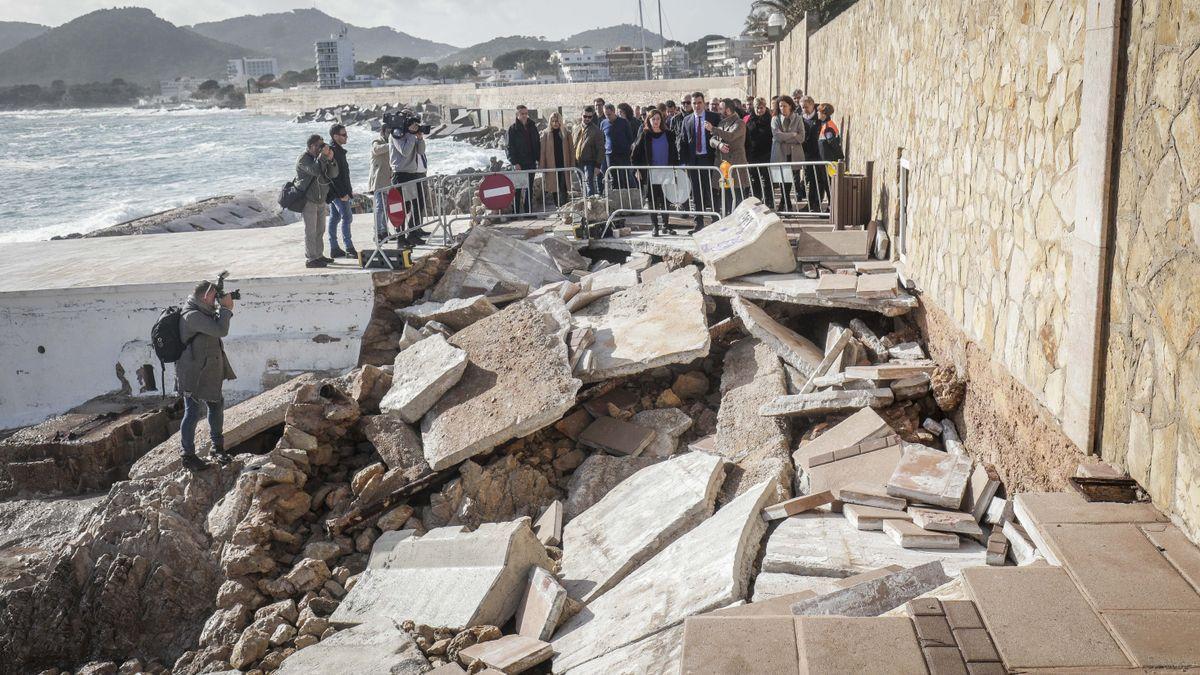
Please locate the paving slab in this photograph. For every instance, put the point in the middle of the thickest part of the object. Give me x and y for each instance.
(706, 568)
(1117, 567)
(636, 520)
(872, 467)
(517, 381)
(750, 239)
(421, 375)
(981, 489)
(1037, 509)
(658, 323)
(669, 424)
(870, 494)
(793, 348)
(736, 645)
(542, 608)
(1158, 639)
(455, 313)
(377, 648)
(864, 646)
(883, 285)
(938, 520)
(875, 596)
(659, 654)
(616, 436)
(448, 578)
(826, 544)
(489, 258)
(549, 526)
(909, 535)
(826, 402)
(769, 585)
(1020, 546)
(837, 285)
(797, 289)
(796, 505)
(930, 476)
(1177, 549)
(1064, 631)
(871, 518)
(510, 654)
(887, 371)
(564, 254)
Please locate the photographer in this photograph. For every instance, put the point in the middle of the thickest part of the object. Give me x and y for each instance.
(409, 164)
(315, 170)
(203, 368)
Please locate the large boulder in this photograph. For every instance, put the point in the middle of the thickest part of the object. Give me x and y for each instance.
(751, 239)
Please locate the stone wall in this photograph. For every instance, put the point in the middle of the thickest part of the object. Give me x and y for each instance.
(572, 96)
(1151, 405)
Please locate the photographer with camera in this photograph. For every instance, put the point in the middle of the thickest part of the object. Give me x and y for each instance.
(409, 164)
(202, 369)
(316, 170)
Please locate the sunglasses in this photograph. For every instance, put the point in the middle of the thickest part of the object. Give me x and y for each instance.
(587, 117)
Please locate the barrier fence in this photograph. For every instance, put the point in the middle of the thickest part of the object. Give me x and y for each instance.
(685, 191)
(783, 185)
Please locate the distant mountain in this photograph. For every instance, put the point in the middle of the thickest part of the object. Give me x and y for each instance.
(13, 33)
(289, 37)
(622, 35)
(130, 43)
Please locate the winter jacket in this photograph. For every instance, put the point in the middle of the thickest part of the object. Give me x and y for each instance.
(732, 132)
(618, 136)
(203, 368)
(758, 138)
(340, 187)
(641, 155)
(318, 174)
(812, 133)
(381, 169)
(407, 154)
(547, 160)
(788, 133)
(523, 146)
(589, 146)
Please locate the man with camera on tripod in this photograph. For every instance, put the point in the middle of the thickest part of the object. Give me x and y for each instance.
(409, 164)
(202, 369)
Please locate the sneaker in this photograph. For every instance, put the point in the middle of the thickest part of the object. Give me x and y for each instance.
(319, 262)
(221, 457)
(193, 463)
(351, 253)
(336, 252)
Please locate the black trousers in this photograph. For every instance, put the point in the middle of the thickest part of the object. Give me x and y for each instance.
(414, 209)
(704, 196)
(762, 187)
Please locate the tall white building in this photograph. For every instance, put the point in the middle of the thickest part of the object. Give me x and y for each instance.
(728, 56)
(335, 61)
(669, 62)
(238, 71)
(582, 65)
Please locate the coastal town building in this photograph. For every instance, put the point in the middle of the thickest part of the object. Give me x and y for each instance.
(669, 62)
(239, 71)
(335, 61)
(627, 63)
(582, 64)
(179, 89)
(728, 56)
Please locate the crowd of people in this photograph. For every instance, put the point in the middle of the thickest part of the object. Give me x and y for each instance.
(697, 132)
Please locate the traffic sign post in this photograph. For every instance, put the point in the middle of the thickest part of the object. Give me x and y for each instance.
(395, 209)
(496, 192)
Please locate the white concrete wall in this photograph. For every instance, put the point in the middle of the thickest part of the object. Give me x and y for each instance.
(84, 333)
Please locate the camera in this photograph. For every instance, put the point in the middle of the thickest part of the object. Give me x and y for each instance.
(400, 122)
(236, 294)
(395, 120)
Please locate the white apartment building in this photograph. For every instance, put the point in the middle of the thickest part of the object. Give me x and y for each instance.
(582, 65)
(728, 56)
(669, 62)
(627, 63)
(179, 89)
(238, 71)
(335, 61)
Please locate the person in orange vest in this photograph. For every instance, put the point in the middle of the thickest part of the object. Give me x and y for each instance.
(829, 139)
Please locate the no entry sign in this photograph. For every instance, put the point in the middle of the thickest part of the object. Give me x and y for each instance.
(496, 192)
(395, 208)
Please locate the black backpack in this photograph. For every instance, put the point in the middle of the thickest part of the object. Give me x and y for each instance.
(167, 338)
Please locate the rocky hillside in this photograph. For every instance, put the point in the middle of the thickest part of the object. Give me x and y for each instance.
(13, 33)
(598, 38)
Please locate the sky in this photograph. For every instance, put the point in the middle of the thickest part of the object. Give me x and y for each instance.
(457, 22)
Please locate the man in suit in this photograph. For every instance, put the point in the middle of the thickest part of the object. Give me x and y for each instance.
(695, 150)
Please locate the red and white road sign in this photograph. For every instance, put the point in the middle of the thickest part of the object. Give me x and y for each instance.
(496, 192)
(395, 208)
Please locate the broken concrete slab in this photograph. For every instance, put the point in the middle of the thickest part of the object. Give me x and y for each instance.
(782, 605)
(870, 518)
(876, 596)
(826, 402)
(489, 259)
(659, 653)
(543, 606)
(564, 255)
(860, 645)
(636, 520)
(937, 520)
(770, 585)
(750, 239)
(821, 242)
(599, 474)
(1064, 632)
(909, 535)
(242, 422)
(739, 644)
(448, 578)
(887, 371)
(930, 476)
(455, 313)
(981, 489)
(797, 289)
(397, 443)
(825, 544)
(616, 437)
(836, 285)
(517, 381)
(758, 446)
(421, 375)
(510, 654)
(870, 494)
(610, 278)
(873, 467)
(869, 445)
(669, 424)
(910, 388)
(650, 325)
(796, 505)
(377, 648)
(1020, 546)
(793, 348)
(706, 568)
(548, 528)
(654, 271)
(385, 545)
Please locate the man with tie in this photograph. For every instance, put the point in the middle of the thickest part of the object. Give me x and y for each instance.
(694, 150)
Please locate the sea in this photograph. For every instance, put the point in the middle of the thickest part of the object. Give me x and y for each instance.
(84, 170)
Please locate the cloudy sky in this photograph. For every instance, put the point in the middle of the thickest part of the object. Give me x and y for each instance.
(457, 22)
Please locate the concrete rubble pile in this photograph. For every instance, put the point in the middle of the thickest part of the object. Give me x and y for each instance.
(550, 462)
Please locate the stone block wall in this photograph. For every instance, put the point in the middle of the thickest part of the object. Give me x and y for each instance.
(1151, 404)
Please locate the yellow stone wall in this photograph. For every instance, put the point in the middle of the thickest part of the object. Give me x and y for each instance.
(1151, 412)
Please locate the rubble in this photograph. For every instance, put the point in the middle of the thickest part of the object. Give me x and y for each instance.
(596, 476)
(543, 607)
(930, 476)
(826, 402)
(750, 239)
(875, 596)
(422, 374)
(377, 647)
(549, 526)
(455, 313)
(510, 654)
(492, 263)
(616, 437)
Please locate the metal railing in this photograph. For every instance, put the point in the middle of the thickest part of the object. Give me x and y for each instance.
(685, 191)
(533, 196)
(793, 180)
(421, 201)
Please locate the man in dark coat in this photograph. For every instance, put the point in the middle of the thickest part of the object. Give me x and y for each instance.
(339, 196)
(524, 148)
(694, 150)
(203, 369)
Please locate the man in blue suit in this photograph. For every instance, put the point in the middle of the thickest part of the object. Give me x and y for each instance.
(695, 149)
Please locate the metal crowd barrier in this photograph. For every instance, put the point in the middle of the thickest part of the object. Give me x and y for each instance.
(791, 179)
(674, 186)
(422, 208)
(529, 200)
